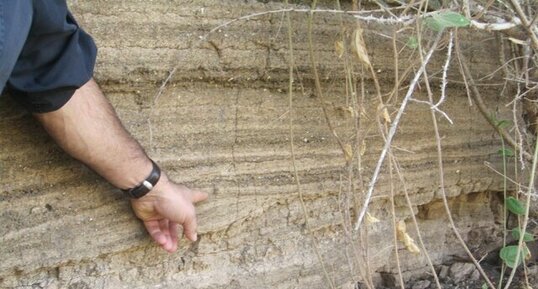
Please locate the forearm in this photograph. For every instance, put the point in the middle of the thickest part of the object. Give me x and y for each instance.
(88, 129)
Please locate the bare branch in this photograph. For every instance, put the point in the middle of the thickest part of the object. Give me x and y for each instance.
(392, 131)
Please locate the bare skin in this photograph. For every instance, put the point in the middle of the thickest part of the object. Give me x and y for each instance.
(88, 128)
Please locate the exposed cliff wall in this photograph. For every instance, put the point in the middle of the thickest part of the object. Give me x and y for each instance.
(222, 124)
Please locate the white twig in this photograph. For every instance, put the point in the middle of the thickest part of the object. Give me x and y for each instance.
(445, 71)
(496, 26)
(287, 10)
(406, 20)
(392, 132)
(444, 114)
(163, 85)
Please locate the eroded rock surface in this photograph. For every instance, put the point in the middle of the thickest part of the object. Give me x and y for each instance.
(222, 124)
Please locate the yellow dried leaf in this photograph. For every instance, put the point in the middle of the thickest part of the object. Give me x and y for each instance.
(371, 219)
(339, 48)
(401, 229)
(403, 237)
(517, 41)
(362, 148)
(348, 152)
(411, 245)
(384, 112)
(360, 47)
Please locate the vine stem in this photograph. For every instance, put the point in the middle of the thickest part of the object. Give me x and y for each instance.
(415, 222)
(292, 151)
(443, 192)
(526, 217)
(470, 83)
(526, 23)
(392, 131)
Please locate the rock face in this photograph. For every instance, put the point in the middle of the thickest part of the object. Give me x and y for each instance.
(222, 123)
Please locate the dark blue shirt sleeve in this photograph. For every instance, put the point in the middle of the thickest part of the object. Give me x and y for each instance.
(58, 57)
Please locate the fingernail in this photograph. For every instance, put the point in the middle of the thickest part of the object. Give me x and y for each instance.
(195, 237)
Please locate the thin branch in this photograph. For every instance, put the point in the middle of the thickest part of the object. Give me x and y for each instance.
(392, 131)
(526, 23)
(394, 230)
(445, 199)
(292, 150)
(496, 26)
(445, 70)
(477, 97)
(288, 10)
(415, 222)
(525, 217)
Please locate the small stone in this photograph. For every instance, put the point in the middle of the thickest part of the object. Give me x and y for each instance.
(461, 271)
(475, 275)
(422, 284)
(388, 280)
(38, 210)
(443, 272)
(533, 270)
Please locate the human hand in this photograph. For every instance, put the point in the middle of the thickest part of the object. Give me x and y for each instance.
(165, 207)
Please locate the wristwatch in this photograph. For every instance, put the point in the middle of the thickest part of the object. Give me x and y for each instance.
(147, 185)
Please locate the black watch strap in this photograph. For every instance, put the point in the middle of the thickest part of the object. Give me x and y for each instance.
(147, 185)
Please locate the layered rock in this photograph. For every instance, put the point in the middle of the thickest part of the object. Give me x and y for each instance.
(222, 124)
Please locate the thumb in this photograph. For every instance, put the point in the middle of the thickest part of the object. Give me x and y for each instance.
(198, 196)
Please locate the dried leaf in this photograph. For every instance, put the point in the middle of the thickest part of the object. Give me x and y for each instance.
(339, 48)
(348, 152)
(362, 148)
(384, 113)
(403, 237)
(517, 41)
(360, 47)
(371, 219)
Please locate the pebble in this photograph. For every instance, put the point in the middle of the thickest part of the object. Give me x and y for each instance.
(38, 210)
(475, 276)
(443, 272)
(423, 284)
(461, 271)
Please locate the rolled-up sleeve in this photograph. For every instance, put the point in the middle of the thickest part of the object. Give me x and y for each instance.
(57, 59)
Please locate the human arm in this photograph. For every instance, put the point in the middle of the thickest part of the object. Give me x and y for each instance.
(88, 129)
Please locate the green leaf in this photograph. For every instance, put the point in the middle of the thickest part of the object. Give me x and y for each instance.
(515, 206)
(484, 286)
(508, 255)
(412, 42)
(516, 232)
(446, 19)
(506, 152)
